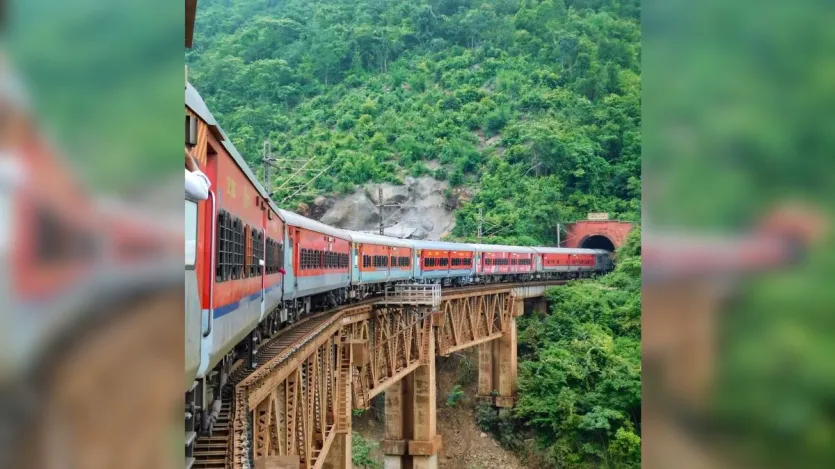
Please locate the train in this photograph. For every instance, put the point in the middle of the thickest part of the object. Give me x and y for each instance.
(252, 267)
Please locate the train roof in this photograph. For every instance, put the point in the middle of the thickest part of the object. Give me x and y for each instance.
(294, 219)
(503, 248)
(196, 104)
(555, 250)
(443, 245)
(360, 237)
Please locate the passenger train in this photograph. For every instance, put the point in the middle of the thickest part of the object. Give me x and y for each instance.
(252, 267)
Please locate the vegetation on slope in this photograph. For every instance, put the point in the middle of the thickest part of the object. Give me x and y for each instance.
(535, 103)
(580, 373)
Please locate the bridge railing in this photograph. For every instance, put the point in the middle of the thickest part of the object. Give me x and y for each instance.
(414, 294)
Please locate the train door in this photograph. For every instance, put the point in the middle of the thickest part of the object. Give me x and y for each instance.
(296, 263)
(261, 264)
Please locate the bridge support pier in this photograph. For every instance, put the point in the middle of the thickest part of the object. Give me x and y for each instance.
(497, 367)
(412, 440)
(540, 306)
(339, 455)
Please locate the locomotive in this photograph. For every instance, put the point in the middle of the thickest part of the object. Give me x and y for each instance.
(252, 267)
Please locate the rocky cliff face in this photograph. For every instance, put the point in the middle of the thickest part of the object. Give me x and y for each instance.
(422, 208)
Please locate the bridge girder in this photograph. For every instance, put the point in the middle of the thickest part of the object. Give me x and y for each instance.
(295, 411)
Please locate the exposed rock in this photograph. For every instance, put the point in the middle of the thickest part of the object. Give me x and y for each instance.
(419, 209)
(320, 205)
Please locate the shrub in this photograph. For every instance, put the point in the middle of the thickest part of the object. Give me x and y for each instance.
(361, 453)
(455, 396)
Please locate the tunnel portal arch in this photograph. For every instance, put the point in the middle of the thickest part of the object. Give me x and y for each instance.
(597, 242)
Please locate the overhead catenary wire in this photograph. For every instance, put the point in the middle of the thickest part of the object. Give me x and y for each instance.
(294, 175)
(305, 184)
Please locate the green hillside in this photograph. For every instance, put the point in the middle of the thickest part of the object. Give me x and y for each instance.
(533, 104)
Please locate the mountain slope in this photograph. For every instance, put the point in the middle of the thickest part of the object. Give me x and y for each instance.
(534, 104)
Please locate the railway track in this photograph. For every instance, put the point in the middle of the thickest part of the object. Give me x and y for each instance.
(210, 451)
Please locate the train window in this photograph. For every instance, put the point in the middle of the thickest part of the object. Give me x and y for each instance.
(444, 262)
(303, 257)
(221, 256)
(256, 249)
(247, 251)
(393, 261)
(268, 256)
(191, 233)
(238, 264)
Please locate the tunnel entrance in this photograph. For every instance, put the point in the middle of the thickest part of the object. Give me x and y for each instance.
(597, 242)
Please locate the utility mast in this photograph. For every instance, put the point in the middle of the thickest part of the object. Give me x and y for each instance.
(380, 207)
(480, 223)
(267, 166)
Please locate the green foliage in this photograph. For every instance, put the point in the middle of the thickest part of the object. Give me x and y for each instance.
(538, 102)
(361, 453)
(580, 373)
(467, 369)
(455, 396)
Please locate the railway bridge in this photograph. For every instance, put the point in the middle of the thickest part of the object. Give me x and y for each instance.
(294, 411)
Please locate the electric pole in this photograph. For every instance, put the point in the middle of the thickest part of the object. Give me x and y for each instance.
(480, 222)
(267, 166)
(380, 207)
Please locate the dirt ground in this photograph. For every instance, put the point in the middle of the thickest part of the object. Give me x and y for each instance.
(465, 446)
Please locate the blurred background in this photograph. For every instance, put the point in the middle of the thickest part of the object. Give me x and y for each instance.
(738, 205)
(738, 208)
(91, 233)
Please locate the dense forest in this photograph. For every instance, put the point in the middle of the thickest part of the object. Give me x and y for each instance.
(579, 396)
(534, 105)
